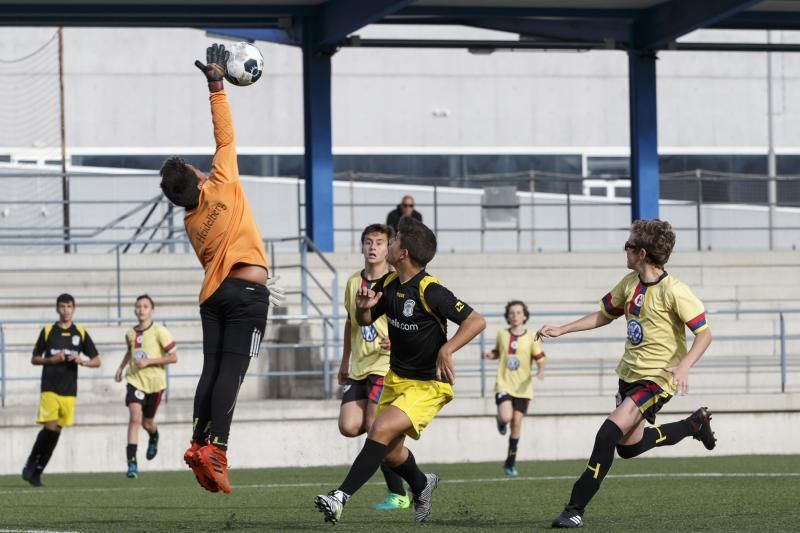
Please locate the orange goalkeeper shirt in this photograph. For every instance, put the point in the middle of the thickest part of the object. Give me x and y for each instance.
(221, 228)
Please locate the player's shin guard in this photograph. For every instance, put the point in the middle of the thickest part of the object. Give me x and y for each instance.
(511, 459)
(656, 436)
(600, 461)
(409, 471)
(393, 481)
(365, 465)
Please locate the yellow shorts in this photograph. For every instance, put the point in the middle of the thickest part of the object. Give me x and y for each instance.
(53, 406)
(419, 400)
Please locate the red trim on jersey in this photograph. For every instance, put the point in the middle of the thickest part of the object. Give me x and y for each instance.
(697, 322)
(610, 309)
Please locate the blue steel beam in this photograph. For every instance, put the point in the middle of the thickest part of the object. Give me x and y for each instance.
(340, 18)
(664, 23)
(270, 35)
(563, 29)
(761, 20)
(644, 135)
(318, 156)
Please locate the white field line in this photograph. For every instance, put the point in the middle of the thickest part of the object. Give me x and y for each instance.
(443, 481)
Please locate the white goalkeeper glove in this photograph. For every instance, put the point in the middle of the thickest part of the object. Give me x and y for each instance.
(277, 294)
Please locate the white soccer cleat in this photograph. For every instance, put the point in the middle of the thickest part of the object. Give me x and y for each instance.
(422, 501)
(330, 505)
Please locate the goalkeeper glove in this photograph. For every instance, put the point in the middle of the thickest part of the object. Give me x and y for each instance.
(214, 69)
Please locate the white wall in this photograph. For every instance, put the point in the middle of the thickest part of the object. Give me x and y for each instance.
(134, 87)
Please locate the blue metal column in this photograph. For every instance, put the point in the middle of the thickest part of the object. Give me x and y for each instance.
(317, 129)
(644, 134)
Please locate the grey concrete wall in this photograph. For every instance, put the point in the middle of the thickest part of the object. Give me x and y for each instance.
(290, 433)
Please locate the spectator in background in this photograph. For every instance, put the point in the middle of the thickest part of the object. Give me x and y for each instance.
(404, 209)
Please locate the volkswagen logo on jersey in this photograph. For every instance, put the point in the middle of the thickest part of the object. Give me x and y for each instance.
(408, 308)
(512, 363)
(139, 354)
(635, 332)
(369, 333)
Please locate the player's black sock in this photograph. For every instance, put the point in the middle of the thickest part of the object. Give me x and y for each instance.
(130, 452)
(409, 471)
(656, 436)
(511, 459)
(153, 436)
(393, 481)
(49, 444)
(365, 465)
(600, 461)
(200, 430)
(37, 450)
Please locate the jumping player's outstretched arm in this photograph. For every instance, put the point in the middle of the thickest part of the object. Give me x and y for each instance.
(590, 321)
(224, 167)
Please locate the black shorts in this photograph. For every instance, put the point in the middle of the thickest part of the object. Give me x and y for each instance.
(363, 389)
(149, 401)
(647, 396)
(234, 318)
(518, 404)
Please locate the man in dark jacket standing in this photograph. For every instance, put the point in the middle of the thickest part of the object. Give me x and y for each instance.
(404, 209)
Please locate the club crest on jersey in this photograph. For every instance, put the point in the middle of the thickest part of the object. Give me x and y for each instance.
(369, 333)
(408, 307)
(635, 332)
(139, 339)
(512, 363)
(639, 300)
(76, 340)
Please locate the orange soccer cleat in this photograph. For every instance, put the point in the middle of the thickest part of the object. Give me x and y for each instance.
(190, 458)
(213, 462)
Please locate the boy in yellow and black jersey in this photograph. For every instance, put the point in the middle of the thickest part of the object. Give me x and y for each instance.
(365, 357)
(58, 350)
(421, 370)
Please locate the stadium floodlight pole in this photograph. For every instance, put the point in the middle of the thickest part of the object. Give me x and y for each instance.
(772, 187)
(64, 177)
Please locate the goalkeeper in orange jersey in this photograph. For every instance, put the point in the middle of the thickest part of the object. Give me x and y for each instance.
(233, 296)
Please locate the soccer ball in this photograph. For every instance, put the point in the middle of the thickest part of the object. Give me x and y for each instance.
(245, 64)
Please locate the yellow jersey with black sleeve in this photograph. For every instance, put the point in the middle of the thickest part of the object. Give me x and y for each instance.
(657, 314)
(516, 354)
(366, 355)
(222, 229)
(153, 342)
(62, 378)
(417, 312)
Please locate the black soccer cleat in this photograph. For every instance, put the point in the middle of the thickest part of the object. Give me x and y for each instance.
(569, 518)
(700, 421)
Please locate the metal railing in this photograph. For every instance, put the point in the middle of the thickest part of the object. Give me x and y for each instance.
(596, 368)
(551, 212)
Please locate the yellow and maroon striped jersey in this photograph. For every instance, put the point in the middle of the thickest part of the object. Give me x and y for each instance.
(657, 314)
(516, 354)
